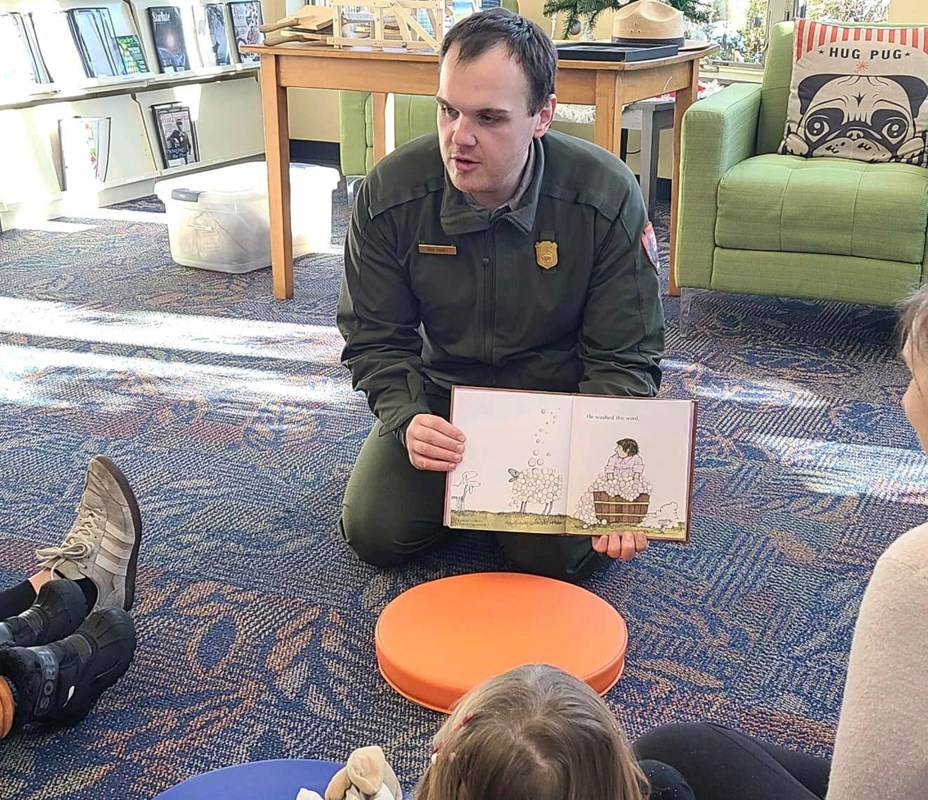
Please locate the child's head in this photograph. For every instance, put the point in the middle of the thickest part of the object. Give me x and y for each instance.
(914, 330)
(628, 446)
(533, 733)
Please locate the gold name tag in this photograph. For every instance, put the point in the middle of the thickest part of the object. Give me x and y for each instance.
(438, 249)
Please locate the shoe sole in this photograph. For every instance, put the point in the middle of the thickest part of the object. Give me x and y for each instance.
(117, 475)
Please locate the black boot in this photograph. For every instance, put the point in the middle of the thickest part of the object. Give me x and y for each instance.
(57, 611)
(59, 683)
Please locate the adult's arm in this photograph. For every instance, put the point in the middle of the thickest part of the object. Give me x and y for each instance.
(378, 315)
(881, 749)
(622, 334)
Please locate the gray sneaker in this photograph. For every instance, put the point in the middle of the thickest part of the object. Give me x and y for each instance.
(103, 543)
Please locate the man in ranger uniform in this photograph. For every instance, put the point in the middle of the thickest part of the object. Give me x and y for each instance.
(494, 254)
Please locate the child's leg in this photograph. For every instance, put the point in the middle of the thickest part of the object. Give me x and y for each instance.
(666, 783)
(725, 764)
(17, 599)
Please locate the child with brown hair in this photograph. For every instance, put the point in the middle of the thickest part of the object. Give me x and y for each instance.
(535, 733)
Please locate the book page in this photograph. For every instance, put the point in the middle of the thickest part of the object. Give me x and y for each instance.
(514, 472)
(16, 57)
(630, 466)
(58, 47)
(85, 143)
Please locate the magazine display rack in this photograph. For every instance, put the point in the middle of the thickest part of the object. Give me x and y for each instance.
(100, 60)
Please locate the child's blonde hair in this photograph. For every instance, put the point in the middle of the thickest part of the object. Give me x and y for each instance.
(912, 327)
(533, 733)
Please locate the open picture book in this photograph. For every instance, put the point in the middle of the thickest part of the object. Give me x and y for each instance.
(538, 462)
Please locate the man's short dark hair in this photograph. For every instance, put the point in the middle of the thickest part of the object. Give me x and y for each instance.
(526, 42)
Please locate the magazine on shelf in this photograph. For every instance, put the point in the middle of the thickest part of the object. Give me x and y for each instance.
(211, 34)
(20, 58)
(541, 462)
(85, 150)
(246, 19)
(167, 29)
(176, 134)
(92, 29)
(38, 61)
(130, 48)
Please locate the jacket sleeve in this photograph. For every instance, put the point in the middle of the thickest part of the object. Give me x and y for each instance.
(622, 333)
(378, 316)
(880, 748)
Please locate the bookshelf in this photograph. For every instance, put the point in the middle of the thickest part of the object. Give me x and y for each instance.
(79, 73)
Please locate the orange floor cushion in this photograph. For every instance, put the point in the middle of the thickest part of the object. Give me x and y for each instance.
(438, 640)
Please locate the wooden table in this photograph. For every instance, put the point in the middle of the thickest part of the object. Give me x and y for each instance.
(607, 85)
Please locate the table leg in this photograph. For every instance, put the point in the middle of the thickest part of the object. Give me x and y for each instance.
(684, 99)
(383, 123)
(607, 132)
(649, 154)
(277, 153)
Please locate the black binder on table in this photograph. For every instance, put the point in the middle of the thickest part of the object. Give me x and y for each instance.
(609, 51)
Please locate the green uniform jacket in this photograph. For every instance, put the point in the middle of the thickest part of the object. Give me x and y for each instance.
(483, 312)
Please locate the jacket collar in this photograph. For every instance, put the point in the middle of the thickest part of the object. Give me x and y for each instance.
(458, 216)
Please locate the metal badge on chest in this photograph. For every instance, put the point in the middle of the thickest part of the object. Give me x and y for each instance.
(546, 251)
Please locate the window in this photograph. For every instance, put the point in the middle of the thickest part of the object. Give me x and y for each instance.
(844, 10)
(740, 27)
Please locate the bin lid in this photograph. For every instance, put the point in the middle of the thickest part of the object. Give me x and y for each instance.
(239, 182)
(437, 641)
(277, 779)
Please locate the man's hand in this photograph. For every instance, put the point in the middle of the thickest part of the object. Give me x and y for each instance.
(621, 545)
(433, 443)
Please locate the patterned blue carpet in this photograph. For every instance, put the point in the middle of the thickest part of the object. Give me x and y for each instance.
(231, 416)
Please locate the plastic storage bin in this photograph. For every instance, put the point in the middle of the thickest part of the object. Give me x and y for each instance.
(218, 219)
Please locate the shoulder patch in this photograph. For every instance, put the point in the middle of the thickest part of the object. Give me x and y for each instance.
(649, 243)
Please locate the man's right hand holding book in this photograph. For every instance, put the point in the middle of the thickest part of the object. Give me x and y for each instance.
(433, 443)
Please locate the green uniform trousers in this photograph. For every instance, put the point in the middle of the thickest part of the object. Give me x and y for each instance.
(393, 511)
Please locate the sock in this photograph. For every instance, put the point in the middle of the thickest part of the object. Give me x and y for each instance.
(90, 592)
(17, 599)
(7, 707)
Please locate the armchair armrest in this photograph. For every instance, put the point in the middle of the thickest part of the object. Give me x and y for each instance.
(354, 121)
(718, 132)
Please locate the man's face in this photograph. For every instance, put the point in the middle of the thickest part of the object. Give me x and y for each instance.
(485, 125)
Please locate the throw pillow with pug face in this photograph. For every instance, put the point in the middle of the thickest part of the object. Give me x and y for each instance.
(858, 93)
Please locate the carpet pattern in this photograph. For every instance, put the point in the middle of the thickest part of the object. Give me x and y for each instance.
(234, 421)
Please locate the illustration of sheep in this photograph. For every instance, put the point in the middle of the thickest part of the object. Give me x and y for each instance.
(535, 485)
(462, 488)
(665, 517)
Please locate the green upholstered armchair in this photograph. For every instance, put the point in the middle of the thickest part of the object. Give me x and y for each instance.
(413, 116)
(755, 222)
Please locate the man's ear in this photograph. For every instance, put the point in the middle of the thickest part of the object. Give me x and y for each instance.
(546, 116)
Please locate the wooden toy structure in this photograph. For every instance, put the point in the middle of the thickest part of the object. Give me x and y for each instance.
(389, 23)
(309, 25)
(379, 24)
